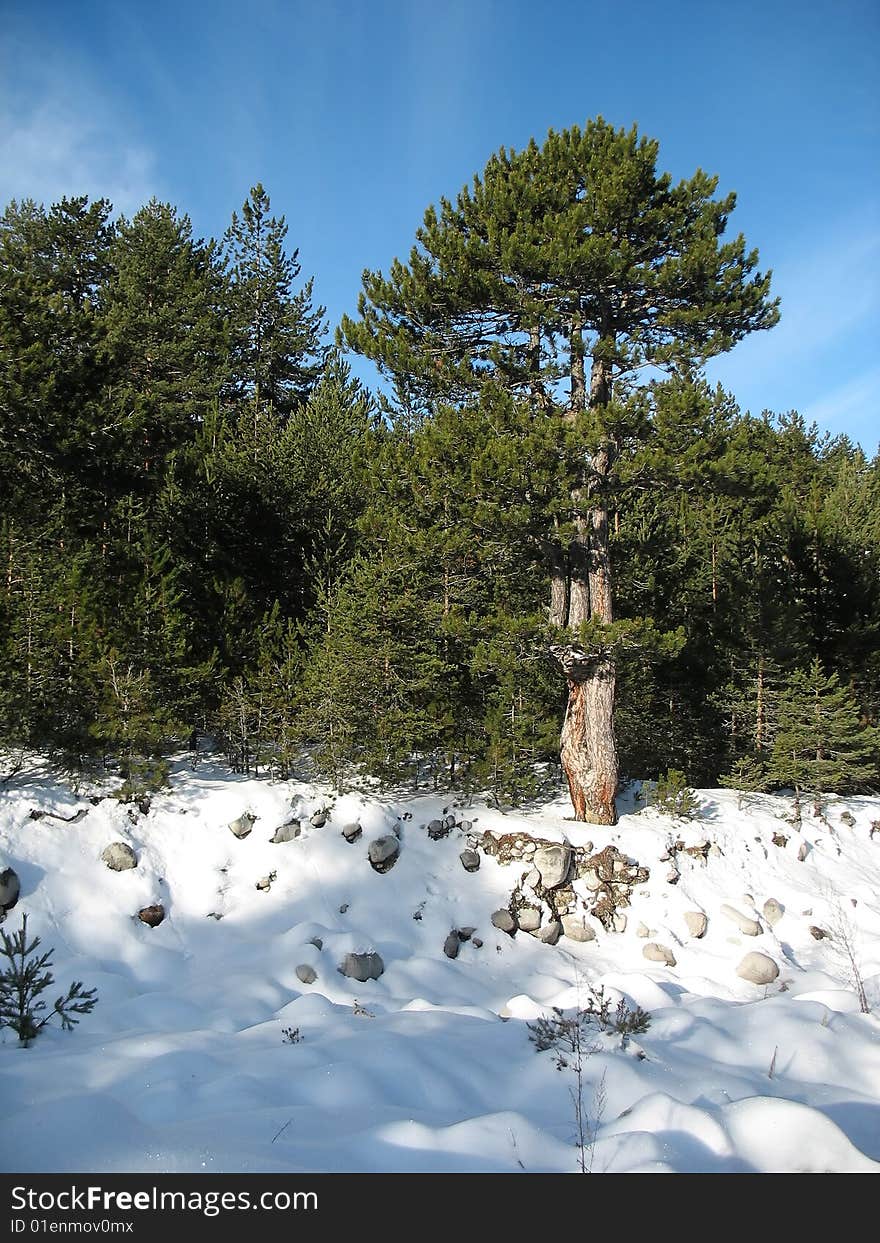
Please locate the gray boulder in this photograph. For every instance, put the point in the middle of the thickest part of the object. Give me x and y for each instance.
(119, 857)
(529, 919)
(576, 928)
(317, 942)
(286, 832)
(383, 852)
(152, 916)
(10, 888)
(554, 863)
(243, 825)
(306, 974)
(351, 832)
(504, 921)
(470, 860)
(748, 927)
(452, 945)
(550, 933)
(757, 968)
(362, 967)
(659, 953)
(697, 923)
(773, 911)
(319, 819)
(438, 829)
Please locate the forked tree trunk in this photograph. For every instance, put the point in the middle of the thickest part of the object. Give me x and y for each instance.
(588, 750)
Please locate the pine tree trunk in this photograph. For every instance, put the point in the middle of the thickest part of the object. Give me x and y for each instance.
(588, 751)
(587, 747)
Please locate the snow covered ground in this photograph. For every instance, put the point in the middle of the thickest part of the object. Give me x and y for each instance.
(184, 1064)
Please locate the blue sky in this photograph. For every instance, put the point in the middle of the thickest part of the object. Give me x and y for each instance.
(356, 114)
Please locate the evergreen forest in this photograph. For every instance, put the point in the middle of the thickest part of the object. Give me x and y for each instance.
(543, 522)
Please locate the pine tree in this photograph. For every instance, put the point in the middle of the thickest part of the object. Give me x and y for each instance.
(165, 344)
(821, 744)
(576, 250)
(277, 355)
(53, 266)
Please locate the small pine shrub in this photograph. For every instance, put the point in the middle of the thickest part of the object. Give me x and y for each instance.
(567, 1033)
(291, 1035)
(674, 797)
(22, 982)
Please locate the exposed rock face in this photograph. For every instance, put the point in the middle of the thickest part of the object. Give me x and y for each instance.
(504, 921)
(286, 832)
(152, 915)
(659, 953)
(697, 923)
(383, 852)
(119, 857)
(243, 825)
(10, 888)
(757, 968)
(748, 927)
(611, 877)
(362, 967)
(470, 860)
(576, 928)
(452, 945)
(553, 864)
(555, 870)
(351, 832)
(306, 974)
(773, 911)
(818, 934)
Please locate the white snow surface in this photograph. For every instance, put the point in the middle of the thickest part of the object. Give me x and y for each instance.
(183, 1065)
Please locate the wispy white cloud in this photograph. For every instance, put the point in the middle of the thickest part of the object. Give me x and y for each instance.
(60, 136)
(817, 360)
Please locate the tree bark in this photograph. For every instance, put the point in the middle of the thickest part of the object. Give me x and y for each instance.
(588, 750)
(587, 747)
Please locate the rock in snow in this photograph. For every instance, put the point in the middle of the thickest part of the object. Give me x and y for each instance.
(362, 967)
(553, 863)
(748, 927)
(504, 921)
(659, 953)
(243, 824)
(306, 974)
(10, 888)
(773, 911)
(152, 916)
(697, 923)
(286, 832)
(470, 860)
(119, 857)
(529, 919)
(383, 852)
(576, 928)
(757, 968)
